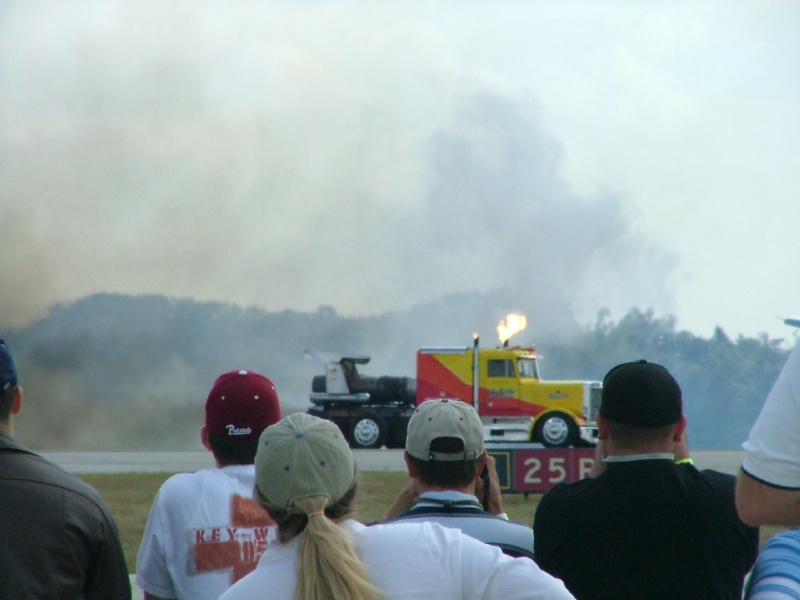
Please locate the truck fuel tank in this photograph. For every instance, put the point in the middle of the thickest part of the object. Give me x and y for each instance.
(381, 389)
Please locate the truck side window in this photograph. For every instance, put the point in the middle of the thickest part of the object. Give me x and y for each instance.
(500, 368)
(494, 368)
(528, 368)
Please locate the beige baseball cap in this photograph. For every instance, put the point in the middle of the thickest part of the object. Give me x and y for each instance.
(444, 418)
(303, 456)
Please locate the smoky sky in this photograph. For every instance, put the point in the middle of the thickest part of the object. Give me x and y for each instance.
(288, 156)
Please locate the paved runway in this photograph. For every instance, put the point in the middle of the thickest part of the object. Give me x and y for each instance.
(174, 462)
(726, 461)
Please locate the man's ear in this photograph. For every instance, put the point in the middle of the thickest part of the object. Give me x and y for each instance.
(204, 437)
(602, 427)
(16, 403)
(410, 466)
(680, 430)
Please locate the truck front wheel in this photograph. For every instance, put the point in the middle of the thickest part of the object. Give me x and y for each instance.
(556, 430)
(368, 431)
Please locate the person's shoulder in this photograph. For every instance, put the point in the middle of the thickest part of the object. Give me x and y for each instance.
(564, 498)
(419, 533)
(514, 526)
(185, 485)
(212, 484)
(563, 490)
(426, 541)
(78, 494)
(725, 481)
(414, 532)
(714, 486)
(459, 519)
(41, 470)
(423, 512)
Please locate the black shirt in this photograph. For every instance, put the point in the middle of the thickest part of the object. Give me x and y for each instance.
(647, 529)
(57, 538)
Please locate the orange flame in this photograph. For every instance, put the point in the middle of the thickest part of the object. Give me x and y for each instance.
(512, 324)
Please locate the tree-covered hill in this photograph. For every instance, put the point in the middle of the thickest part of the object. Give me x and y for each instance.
(132, 372)
(724, 381)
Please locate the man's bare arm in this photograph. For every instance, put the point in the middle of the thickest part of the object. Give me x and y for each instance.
(495, 497)
(762, 504)
(405, 499)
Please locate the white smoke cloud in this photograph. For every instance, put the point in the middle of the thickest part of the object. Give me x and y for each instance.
(287, 155)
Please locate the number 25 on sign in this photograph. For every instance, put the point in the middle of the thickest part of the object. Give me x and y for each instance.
(539, 470)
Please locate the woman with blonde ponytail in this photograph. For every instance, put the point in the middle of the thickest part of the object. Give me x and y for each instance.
(331, 568)
(306, 479)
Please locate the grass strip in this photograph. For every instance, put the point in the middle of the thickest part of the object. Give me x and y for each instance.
(130, 495)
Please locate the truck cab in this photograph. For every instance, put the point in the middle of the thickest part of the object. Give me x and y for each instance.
(505, 386)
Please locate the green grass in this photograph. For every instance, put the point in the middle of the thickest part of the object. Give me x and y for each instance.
(129, 497)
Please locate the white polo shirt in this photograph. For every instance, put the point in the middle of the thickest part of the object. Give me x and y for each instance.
(411, 561)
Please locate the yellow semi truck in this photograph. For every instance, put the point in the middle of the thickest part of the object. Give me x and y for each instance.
(503, 384)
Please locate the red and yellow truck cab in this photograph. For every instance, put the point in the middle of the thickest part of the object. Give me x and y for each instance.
(505, 387)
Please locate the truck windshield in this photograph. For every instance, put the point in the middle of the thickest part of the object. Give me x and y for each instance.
(528, 367)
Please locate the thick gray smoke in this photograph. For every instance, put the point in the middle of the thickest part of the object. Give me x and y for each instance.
(288, 156)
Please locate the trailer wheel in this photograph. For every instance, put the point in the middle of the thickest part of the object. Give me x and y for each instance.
(368, 431)
(556, 430)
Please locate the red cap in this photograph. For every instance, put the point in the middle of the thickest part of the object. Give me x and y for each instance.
(240, 405)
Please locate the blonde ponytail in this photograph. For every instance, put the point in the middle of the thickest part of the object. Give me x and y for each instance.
(329, 567)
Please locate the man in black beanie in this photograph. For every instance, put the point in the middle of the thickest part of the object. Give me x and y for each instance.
(647, 523)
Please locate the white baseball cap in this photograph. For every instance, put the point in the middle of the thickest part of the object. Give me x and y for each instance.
(444, 418)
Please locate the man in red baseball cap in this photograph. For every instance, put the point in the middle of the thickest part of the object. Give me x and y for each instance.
(205, 532)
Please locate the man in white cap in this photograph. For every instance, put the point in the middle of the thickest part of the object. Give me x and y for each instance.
(205, 532)
(445, 458)
(306, 479)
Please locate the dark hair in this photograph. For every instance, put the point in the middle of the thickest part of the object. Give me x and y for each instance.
(446, 473)
(233, 452)
(6, 401)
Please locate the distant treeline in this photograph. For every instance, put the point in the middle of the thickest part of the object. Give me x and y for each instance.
(132, 372)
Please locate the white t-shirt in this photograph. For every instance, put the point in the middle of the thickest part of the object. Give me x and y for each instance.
(204, 533)
(772, 452)
(413, 561)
